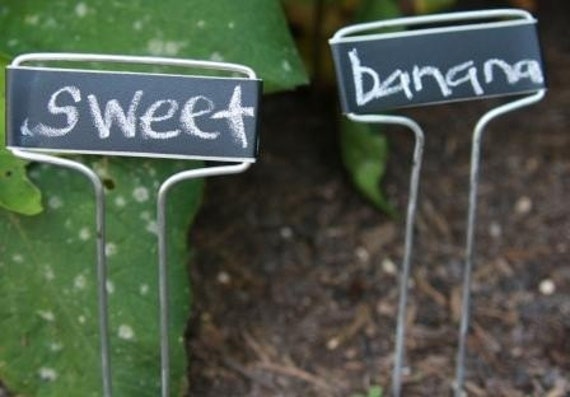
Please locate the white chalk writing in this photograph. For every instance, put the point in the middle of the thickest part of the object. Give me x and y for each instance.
(70, 112)
(114, 111)
(145, 120)
(234, 115)
(188, 115)
(470, 76)
(525, 69)
(419, 73)
(369, 85)
(149, 117)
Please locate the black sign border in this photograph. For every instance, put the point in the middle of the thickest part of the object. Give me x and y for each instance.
(111, 58)
(357, 37)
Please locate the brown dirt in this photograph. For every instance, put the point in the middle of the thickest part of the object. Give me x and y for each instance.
(294, 278)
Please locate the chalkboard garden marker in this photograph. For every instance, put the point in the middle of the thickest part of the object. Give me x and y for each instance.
(447, 57)
(66, 110)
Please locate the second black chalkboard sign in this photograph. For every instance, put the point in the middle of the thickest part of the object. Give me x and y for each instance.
(378, 72)
(132, 114)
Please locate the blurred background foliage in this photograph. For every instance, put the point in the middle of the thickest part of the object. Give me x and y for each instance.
(49, 345)
(364, 149)
(256, 33)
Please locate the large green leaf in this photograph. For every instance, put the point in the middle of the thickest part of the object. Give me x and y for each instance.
(252, 32)
(48, 315)
(365, 153)
(48, 330)
(17, 193)
(364, 148)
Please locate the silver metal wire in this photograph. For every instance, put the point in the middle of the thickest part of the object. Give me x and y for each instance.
(342, 34)
(161, 202)
(471, 223)
(101, 259)
(67, 57)
(400, 348)
(368, 31)
(162, 255)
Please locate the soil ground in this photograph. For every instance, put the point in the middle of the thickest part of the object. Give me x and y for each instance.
(295, 275)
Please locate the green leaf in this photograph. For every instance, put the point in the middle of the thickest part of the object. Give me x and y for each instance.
(375, 391)
(49, 342)
(373, 10)
(17, 193)
(364, 149)
(365, 153)
(428, 6)
(251, 32)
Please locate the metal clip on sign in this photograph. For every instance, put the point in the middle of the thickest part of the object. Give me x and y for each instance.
(461, 56)
(185, 117)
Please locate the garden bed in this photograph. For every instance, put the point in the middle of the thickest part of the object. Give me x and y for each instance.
(295, 275)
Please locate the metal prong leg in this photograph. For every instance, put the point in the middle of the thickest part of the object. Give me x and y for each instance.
(400, 347)
(103, 306)
(163, 290)
(469, 252)
(102, 286)
(470, 234)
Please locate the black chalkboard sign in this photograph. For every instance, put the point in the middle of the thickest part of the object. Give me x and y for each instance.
(378, 72)
(132, 114)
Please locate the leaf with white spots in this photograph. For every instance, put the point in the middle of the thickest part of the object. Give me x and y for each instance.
(49, 341)
(17, 193)
(253, 32)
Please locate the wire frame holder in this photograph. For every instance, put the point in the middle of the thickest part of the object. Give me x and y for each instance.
(471, 223)
(409, 233)
(362, 37)
(101, 267)
(162, 254)
(240, 164)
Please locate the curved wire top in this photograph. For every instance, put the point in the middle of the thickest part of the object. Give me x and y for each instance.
(243, 73)
(149, 60)
(517, 16)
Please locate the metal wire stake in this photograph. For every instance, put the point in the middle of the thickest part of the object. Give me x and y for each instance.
(471, 223)
(162, 257)
(101, 259)
(409, 236)
(100, 197)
